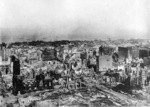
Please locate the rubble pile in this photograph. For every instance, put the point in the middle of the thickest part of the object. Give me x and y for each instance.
(69, 75)
(8, 81)
(93, 97)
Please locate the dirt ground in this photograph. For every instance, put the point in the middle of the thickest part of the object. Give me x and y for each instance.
(95, 96)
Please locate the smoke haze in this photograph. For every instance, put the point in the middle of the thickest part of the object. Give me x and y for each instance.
(73, 19)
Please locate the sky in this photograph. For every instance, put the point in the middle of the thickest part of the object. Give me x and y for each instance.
(22, 20)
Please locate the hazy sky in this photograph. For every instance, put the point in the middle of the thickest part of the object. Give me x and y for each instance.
(73, 19)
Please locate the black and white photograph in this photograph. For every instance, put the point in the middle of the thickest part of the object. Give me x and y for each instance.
(74, 53)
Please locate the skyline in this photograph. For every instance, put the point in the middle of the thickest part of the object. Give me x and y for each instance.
(73, 19)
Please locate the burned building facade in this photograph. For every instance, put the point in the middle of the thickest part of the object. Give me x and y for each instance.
(104, 61)
(124, 53)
